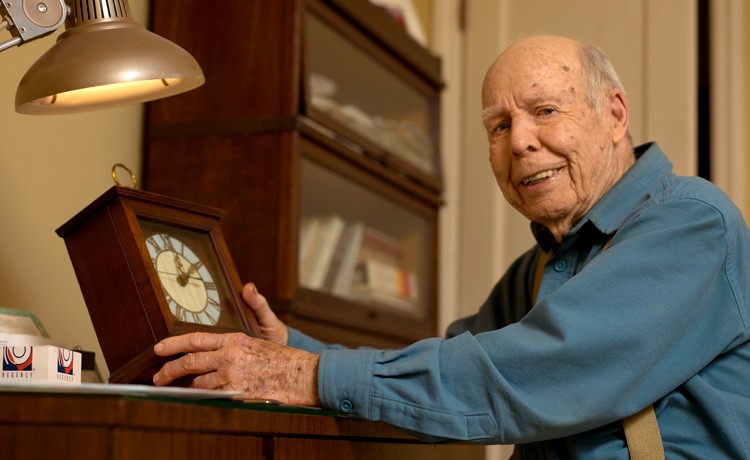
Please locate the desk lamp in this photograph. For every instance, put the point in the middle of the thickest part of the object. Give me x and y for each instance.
(103, 59)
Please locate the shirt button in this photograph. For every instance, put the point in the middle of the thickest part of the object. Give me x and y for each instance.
(560, 265)
(345, 406)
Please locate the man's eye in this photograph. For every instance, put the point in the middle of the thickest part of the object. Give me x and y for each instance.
(502, 126)
(546, 111)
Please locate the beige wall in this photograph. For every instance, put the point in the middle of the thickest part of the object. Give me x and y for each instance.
(424, 9)
(52, 166)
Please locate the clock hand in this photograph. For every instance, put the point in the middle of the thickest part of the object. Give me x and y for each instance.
(185, 276)
(193, 268)
(178, 264)
(182, 278)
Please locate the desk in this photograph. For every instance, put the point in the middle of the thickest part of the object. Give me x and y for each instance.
(70, 426)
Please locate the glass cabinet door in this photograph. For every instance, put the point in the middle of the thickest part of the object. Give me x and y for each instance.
(389, 113)
(362, 246)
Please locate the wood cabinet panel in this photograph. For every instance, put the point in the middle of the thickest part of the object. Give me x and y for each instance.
(113, 427)
(143, 445)
(21, 441)
(293, 449)
(248, 51)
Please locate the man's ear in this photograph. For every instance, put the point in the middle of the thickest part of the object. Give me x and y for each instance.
(619, 112)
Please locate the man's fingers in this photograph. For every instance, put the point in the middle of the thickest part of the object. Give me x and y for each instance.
(190, 364)
(257, 303)
(204, 352)
(187, 343)
(271, 327)
(211, 381)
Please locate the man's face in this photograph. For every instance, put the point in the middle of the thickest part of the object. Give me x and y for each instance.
(551, 153)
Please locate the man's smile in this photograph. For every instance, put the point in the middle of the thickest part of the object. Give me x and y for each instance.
(540, 176)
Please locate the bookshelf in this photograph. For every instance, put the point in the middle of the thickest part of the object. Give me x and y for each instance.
(320, 141)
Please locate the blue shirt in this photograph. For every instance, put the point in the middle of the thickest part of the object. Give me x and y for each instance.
(660, 317)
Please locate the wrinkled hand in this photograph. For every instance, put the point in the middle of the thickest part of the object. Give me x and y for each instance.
(271, 327)
(259, 368)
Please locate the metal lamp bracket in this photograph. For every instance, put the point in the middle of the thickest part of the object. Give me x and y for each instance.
(30, 19)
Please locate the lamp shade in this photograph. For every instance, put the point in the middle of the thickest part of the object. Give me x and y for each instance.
(105, 59)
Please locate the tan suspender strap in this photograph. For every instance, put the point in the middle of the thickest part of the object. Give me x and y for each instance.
(643, 436)
(641, 429)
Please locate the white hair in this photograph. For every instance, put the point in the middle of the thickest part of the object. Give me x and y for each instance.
(599, 73)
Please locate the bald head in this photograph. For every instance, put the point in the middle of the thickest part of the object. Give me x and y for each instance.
(566, 55)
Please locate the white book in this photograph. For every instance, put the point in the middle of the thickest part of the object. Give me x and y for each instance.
(308, 242)
(342, 280)
(330, 231)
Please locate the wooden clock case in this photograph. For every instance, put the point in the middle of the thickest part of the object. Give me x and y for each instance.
(122, 291)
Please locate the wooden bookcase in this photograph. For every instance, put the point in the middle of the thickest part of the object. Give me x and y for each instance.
(313, 111)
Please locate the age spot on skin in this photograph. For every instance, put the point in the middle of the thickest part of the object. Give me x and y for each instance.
(566, 68)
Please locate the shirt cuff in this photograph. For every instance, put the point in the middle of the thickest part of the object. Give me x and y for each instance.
(344, 380)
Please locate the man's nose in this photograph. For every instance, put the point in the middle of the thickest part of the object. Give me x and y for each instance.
(524, 136)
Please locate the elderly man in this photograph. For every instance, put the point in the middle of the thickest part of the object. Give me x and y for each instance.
(642, 296)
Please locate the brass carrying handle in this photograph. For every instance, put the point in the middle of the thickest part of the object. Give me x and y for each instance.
(114, 174)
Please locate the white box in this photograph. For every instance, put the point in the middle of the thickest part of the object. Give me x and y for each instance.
(40, 363)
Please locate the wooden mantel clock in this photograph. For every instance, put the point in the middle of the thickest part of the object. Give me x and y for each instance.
(151, 266)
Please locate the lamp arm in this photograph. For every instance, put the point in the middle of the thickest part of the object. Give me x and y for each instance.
(31, 19)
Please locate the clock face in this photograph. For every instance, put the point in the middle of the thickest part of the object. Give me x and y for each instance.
(188, 285)
(194, 285)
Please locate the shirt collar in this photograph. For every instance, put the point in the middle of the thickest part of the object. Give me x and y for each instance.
(610, 212)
